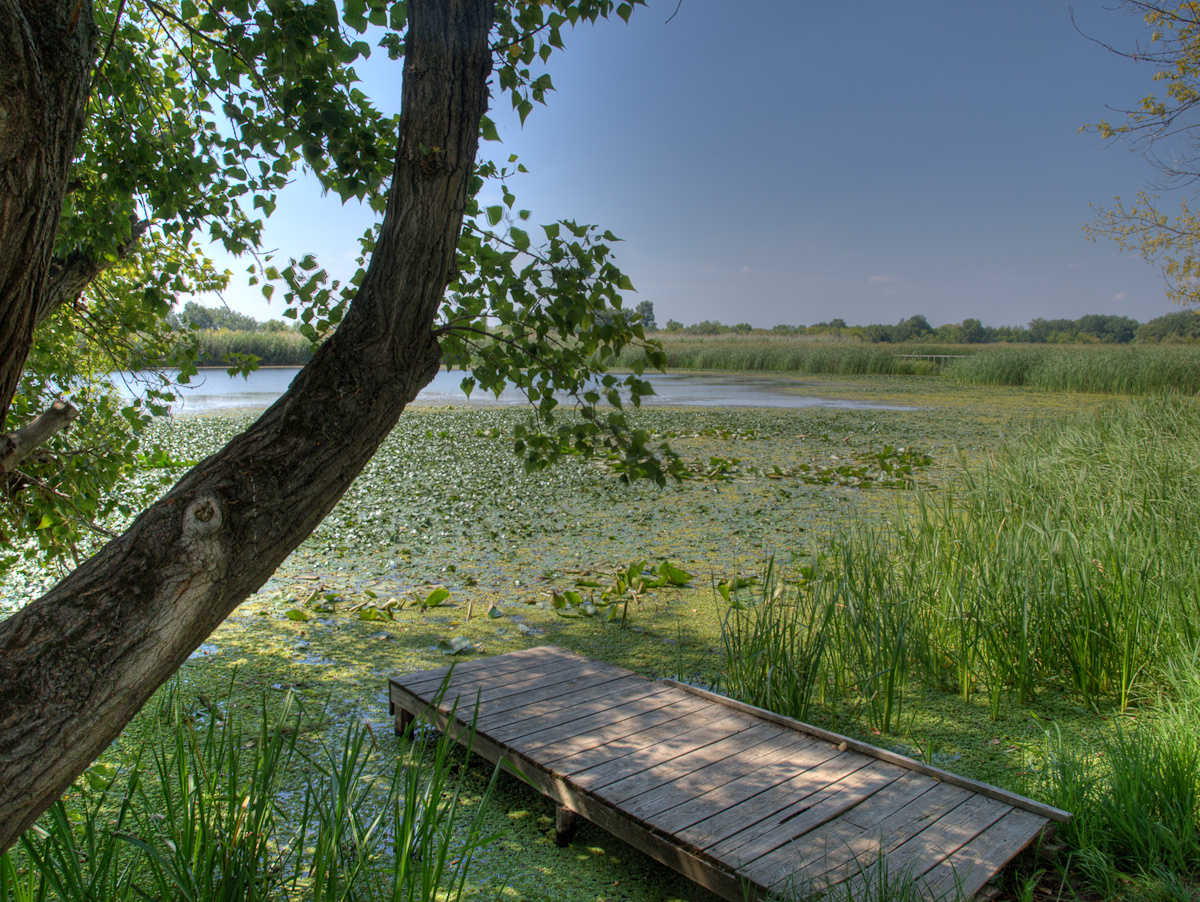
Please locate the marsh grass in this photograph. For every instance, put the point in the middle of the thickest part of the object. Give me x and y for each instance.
(784, 354)
(271, 348)
(1108, 369)
(211, 812)
(1136, 799)
(1066, 564)
(774, 649)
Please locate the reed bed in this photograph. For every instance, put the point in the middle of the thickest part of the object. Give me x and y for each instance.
(1067, 565)
(1111, 369)
(270, 348)
(211, 812)
(1105, 369)
(783, 354)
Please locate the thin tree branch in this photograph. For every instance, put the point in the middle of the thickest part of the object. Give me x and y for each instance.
(112, 37)
(17, 445)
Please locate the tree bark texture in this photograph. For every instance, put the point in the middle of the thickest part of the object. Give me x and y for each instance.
(78, 663)
(47, 48)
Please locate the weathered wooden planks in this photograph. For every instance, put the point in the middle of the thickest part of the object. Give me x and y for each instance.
(732, 797)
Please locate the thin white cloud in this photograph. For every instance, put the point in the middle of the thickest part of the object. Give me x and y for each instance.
(883, 280)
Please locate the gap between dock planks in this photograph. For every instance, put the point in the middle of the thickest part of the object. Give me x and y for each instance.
(737, 799)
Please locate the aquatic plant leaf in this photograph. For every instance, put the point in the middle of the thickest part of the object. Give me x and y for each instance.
(455, 646)
(675, 576)
(436, 597)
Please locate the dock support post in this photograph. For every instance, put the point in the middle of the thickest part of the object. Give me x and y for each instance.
(403, 718)
(566, 822)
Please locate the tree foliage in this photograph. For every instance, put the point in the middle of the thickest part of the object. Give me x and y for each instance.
(194, 116)
(1165, 126)
(200, 115)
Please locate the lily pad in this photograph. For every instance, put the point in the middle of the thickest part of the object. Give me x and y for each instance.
(455, 646)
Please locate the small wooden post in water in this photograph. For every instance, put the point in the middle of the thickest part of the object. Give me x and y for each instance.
(566, 822)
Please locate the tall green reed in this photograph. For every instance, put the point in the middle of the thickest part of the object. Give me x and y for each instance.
(784, 354)
(1136, 800)
(207, 818)
(413, 844)
(1068, 562)
(209, 812)
(1110, 369)
(868, 657)
(774, 648)
(271, 348)
(1105, 368)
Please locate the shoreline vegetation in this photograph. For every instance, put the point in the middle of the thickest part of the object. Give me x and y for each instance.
(1095, 353)
(1101, 368)
(999, 581)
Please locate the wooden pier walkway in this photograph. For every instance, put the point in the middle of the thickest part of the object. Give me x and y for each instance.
(735, 798)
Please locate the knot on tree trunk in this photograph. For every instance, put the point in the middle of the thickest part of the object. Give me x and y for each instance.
(202, 520)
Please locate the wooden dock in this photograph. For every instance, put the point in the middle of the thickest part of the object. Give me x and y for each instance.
(737, 799)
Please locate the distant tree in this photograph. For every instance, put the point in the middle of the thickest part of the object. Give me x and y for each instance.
(784, 329)
(1111, 329)
(838, 323)
(1183, 326)
(916, 327)
(1062, 331)
(218, 318)
(707, 327)
(972, 331)
(880, 333)
(646, 311)
(674, 325)
(743, 328)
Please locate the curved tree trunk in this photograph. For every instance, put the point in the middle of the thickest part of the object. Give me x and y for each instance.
(47, 48)
(78, 663)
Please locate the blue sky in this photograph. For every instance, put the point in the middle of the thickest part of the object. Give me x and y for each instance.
(787, 161)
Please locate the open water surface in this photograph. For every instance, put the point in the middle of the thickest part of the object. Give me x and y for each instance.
(214, 390)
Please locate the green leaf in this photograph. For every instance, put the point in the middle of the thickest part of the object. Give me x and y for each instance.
(455, 646)
(436, 597)
(296, 615)
(674, 575)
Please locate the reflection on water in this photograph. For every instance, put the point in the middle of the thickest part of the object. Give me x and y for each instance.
(215, 389)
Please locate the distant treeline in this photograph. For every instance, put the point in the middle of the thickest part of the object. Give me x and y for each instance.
(1174, 327)
(217, 318)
